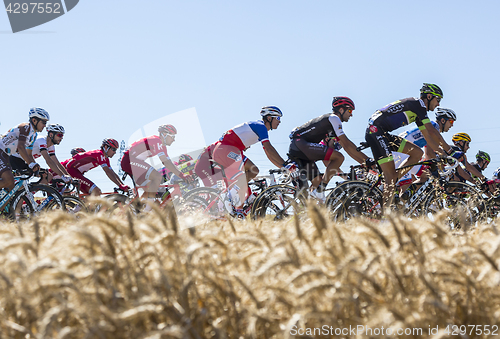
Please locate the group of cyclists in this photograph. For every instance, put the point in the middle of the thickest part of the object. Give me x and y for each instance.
(319, 139)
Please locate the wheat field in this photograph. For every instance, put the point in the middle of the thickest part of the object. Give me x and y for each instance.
(121, 276)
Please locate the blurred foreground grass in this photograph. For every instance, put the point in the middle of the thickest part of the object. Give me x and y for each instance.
(125, 277)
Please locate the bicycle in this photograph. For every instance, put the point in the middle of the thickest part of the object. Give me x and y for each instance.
(366, 198)
(27, 199)
(168, 193)
(216, 202)
(70, 193)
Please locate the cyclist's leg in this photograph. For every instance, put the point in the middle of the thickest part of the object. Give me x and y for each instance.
(86, 185)
(415, 153)
(6, 176)
(314, 152)
(251, 171)
(204, 168)
(232, 160)
(145, 175)
(335, 161)
(382, 148)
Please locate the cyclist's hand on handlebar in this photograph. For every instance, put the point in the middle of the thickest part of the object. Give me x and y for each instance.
(34, 167)
(66, 178)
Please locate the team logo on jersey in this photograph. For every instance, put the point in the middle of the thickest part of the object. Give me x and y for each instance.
(234, 156)
(373, 129)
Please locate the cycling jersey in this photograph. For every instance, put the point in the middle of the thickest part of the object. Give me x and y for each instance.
(37, 147)
(84, 162)
(399, 113)
(9, 142)
(245, 135)
(147, 148)
(319, 128)
(416, 137)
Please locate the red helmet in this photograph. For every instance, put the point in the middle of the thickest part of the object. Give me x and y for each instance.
(169, 129)
(342, 101)
(110, 143)
(184, 158)
(76, 151)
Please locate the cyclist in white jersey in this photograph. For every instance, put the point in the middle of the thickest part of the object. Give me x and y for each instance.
(445, 118)
(45, 146)
(16, 140)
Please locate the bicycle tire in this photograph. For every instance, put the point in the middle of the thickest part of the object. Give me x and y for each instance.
(46, 198)
(457, 197)
(199, 200)
(74, 204)
(355, 199)
(278, 202)
(20, 208)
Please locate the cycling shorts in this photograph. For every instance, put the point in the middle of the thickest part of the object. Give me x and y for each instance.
(383, 144)
(305, 150)
(86, 185)
(138, 170)
(204, 169)
(17, 163)
(231, 159)
(4, 162)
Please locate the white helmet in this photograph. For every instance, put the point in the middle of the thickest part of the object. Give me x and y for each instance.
(272, 111)
(446, 113)
(55, 128)
(40, 113)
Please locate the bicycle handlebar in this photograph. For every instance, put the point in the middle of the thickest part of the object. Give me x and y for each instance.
(362, 145)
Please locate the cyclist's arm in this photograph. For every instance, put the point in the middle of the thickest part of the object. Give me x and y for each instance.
(350, 148)
(473, 171)
(434, 138)
(170, 165)
(25, 153)
(50, 162)
(58, 164)
(464, 174)
(112, 176)
(273, 155)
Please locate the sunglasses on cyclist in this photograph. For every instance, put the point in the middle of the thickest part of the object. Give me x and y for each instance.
(113, 149)
(60, 135)
(438, 98)
(451, 121)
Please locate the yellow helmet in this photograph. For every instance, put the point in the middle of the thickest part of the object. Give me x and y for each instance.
(461, 137)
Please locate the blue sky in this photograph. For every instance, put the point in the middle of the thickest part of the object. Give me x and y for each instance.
(107, 68)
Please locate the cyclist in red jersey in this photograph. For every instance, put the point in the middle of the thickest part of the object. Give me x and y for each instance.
(83, 162)
(134, 160)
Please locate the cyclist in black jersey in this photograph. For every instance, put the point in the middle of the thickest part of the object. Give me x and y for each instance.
(397, 114)
(461, 143)
(306, 149)
(482, 161)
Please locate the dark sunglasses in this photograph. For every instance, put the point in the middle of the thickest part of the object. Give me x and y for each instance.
(60, 135)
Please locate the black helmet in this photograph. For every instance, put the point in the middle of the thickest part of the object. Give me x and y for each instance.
(431, 89)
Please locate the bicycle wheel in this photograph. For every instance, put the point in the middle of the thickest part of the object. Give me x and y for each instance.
(74, 204)
(278, 202)
(465, 204)
(355, 199)
(204, 200)
(46, 198)
(20, 208)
